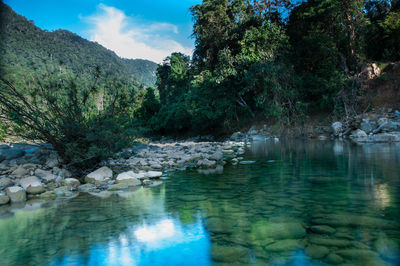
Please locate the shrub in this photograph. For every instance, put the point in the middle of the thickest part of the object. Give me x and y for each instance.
(85, 118)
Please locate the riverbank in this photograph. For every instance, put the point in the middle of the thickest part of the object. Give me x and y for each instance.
(35, 172)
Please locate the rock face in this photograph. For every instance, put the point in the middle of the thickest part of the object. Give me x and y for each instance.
(4, 199)
(101, 175)
(32, 185)
(337, 128)
(130, 178)
(16, 194)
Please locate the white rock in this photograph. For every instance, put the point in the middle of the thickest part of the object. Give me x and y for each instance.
(206, 163)
(16, 194)
(153, 174)
(101, 175)
(130, 177)
(32, 185)
(217, 156)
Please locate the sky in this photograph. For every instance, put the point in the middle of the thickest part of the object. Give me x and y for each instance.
(131, 28)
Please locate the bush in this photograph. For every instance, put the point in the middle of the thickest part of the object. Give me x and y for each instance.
(85, 118)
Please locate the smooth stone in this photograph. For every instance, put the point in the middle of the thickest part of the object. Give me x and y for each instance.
(317, 252)
(263, 242)
(330, 242)
(46, 176)
(16, 194)
(284, 245)
(102, 194)
(48, 195)
(229, 254)
(129, 177)
(87, 188)
(247, 162)
(4, 199)
(356, 254)
(72, 182)
(322, 229)
(292, 230)
(5, 182)
(101, 175)
(20, 171)
(333, 259)
(153, 174)
(120, 186)
(32, 185)
(63, 191)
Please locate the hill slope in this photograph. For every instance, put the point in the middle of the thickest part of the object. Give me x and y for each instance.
(24, 46)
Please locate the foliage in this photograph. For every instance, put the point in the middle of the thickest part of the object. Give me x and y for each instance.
(85, 118)
(27, 50)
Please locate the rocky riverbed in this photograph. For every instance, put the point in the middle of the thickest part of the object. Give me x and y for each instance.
(35, 171)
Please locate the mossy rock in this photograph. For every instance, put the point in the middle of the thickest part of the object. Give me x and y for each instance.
(317, 252)
(284, 245)
(263, 230)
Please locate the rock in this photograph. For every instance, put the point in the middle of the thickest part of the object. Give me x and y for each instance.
(147, 182)
(153, 174)
(358, 134)
(240, 151)
(367, 126)
(387, 248)
(46, 176)
(10, 154)
(337, 128)
(120, 186)
(330, 242)
(237, 135)
(206, 163)
(234, 161)
(50, 195)
(322, 229)
(253, 131)
(356, 254)
(352, 220)
(52, 161)
(228, 254)
(20, 172)
(317, 252)
(87, 188)
(5, 182)
(16, 194)
(102, 194)
(72, 182)
(4, 199)
(217, 156)
(64, 191)
(130, 177)
(32, 185)
(101, 175)
(334, 259)
(284, 245)
(247, 162)
(228, 151)
(292, 230)
(382, 121)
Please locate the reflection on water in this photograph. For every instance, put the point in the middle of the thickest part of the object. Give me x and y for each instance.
(302, 203)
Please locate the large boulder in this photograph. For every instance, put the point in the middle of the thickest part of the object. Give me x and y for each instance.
(337, 128)
(16, 194)
(101, 175)
(32, 185)
(153, 174)
(45, 176)
(130, 178)
(4, 199)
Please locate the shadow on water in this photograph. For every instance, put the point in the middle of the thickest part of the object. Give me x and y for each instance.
(301, 203)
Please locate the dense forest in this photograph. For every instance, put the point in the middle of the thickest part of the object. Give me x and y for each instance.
(254, 60)
(27, 50)
(275, 60)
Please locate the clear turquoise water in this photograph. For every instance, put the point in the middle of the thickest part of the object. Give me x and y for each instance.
(301, 203)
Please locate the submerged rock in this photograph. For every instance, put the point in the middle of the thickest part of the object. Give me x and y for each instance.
(322, 229)
(292, 230)
(229, 254)
(16, 194)
(331, 242)
(284, 245)
(344, 220)
(5, 182)
(317, 252)
(48, 195)
(334, 259)
(247, 162)
(120, 186)
(87, 188)
(46, 176)
(100, 176)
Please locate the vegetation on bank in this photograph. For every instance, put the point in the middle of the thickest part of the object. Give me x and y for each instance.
(275, 60)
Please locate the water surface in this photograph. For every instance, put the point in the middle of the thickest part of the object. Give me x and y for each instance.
(301, 203)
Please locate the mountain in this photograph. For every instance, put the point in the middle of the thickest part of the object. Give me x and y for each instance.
(25, 47)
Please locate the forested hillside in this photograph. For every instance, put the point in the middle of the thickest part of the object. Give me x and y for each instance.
(274, 60)
(26, 49)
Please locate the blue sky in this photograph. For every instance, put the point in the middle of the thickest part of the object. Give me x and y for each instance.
(132, 28)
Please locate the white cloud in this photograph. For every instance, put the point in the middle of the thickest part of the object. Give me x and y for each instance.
(129, 39)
